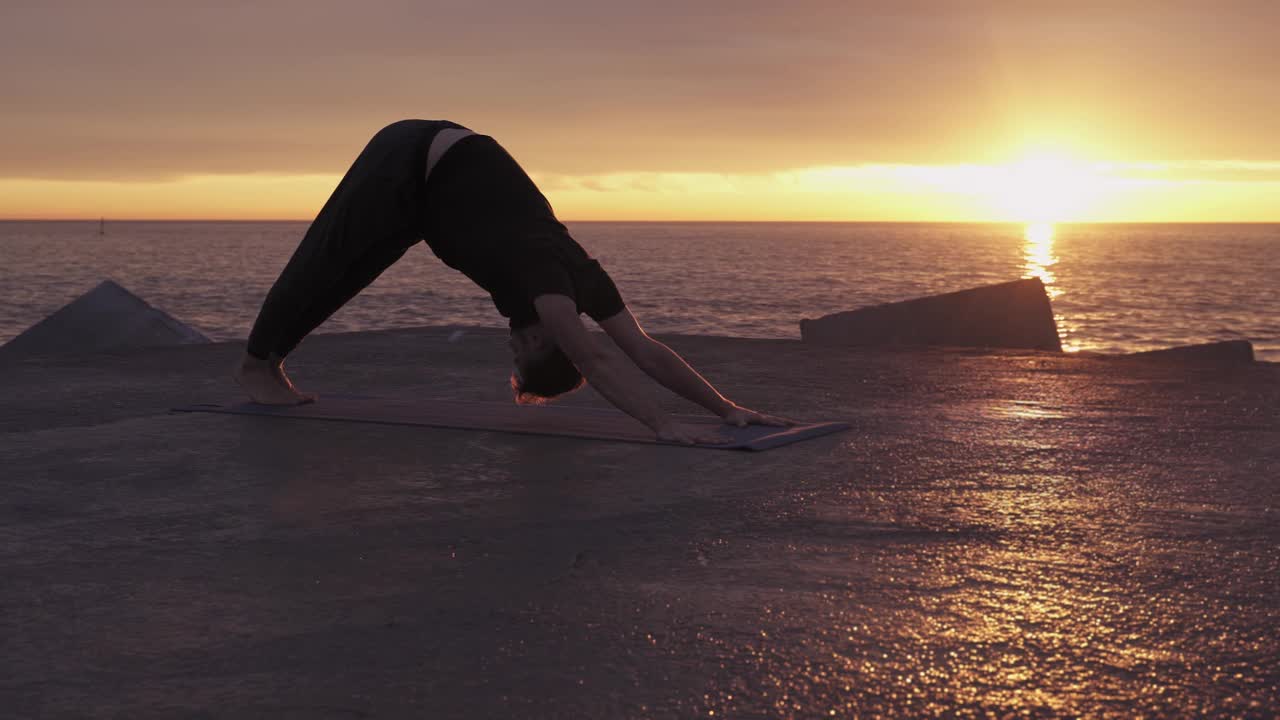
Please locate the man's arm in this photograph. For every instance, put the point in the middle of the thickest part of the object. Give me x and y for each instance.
(605, 371)
(667, 367)
(663, 364)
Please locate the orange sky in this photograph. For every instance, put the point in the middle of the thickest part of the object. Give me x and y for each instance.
(976, 110)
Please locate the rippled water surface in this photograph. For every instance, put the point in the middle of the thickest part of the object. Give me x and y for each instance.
(1114, 287)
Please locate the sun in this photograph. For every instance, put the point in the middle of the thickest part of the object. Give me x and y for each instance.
(1045, 187)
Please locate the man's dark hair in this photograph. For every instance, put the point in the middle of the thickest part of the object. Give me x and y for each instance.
(546, 378)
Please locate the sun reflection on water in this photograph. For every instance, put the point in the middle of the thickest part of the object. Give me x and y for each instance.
(1038, 257)
(1038, 261)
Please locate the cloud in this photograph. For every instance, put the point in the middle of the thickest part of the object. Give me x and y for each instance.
(132, 89)
(958, 178)
(1074, 191)
(1216, 190)
(1202, 171)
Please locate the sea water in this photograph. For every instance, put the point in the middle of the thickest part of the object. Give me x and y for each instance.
(1114, 288)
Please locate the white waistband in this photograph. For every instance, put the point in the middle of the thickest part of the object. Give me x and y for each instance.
(442, 142)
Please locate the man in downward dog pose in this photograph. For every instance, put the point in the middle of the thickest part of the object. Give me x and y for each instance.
(482, 215)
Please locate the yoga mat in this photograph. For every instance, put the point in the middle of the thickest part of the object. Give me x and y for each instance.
(568, 421)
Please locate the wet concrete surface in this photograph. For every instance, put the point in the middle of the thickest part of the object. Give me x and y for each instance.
(1001, 534)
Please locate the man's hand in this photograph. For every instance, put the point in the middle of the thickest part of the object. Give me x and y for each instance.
(743, 417)
(689, 434)
(739, 416)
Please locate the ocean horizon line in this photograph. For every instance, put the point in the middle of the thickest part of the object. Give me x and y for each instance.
(685, 222)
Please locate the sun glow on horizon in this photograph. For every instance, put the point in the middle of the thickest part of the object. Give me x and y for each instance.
(1038, 188)
(1045, 187)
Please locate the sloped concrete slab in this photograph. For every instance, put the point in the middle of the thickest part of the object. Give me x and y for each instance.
(1227, 352)
(1006, 315)
(107, 317)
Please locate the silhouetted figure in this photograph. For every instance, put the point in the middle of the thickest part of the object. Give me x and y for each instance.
(481, 214)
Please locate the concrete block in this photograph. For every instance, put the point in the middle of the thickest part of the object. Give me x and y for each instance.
(107, 317)
(1226, 352)
(1007, 315)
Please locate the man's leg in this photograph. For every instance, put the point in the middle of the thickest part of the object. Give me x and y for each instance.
(264, 378)
(358, 277)
(369, 222)
(358, 234)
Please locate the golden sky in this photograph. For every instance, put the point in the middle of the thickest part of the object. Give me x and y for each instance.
(718, 110)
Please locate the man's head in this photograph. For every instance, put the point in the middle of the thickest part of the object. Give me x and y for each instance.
(542, 370)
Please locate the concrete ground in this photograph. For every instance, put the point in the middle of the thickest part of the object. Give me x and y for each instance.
(1000, 534)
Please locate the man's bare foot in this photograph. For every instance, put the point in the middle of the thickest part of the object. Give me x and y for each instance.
(267, 384)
